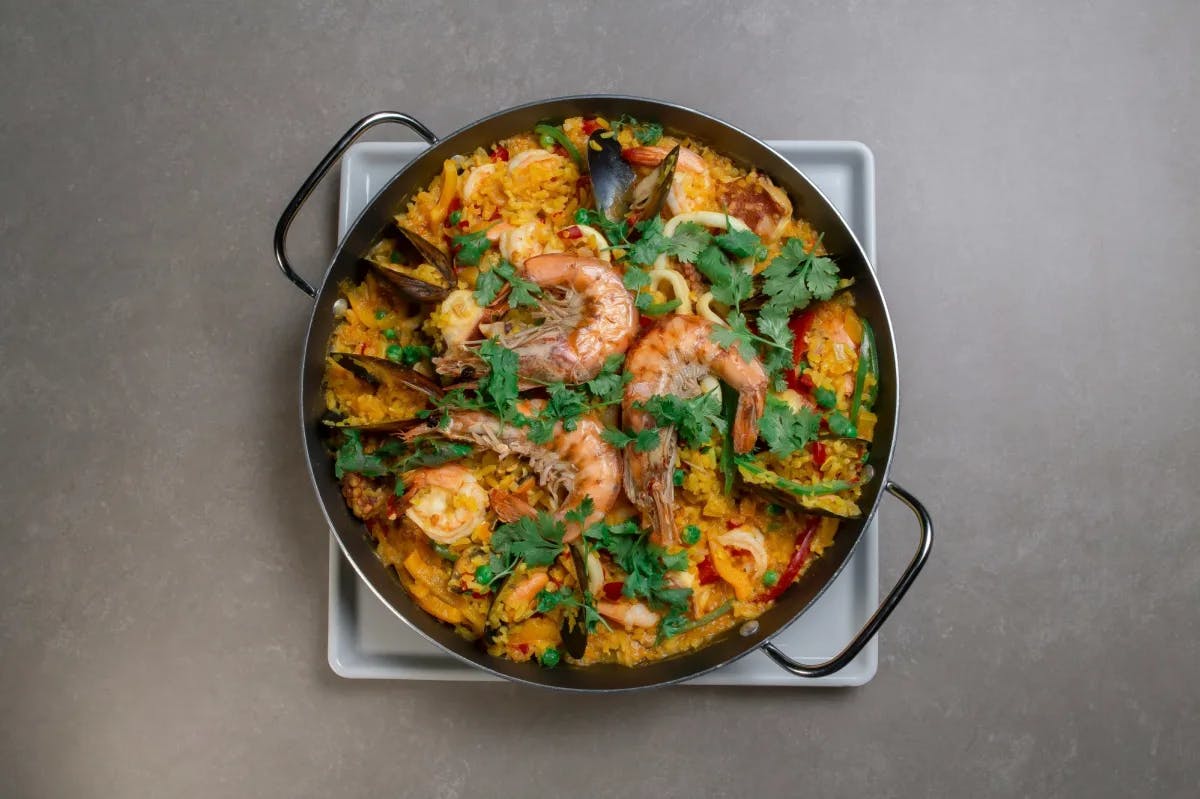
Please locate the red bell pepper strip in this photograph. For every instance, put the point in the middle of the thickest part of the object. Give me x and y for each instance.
(799, 556)
(819, 454)
(706, 572)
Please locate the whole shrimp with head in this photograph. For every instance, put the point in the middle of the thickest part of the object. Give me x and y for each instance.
(576, 464)
(585, 316)
(674, 358)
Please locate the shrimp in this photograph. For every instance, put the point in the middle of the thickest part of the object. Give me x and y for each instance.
(691, 179)
(519, 243)
(578, 462)
(445, 502)
(672, 359)
(587, 316)
(628, 614)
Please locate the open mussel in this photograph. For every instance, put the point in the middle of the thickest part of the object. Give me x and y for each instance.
(574, 625)
(381, 375)
(612, 177)
(619, 194)
(413, 264)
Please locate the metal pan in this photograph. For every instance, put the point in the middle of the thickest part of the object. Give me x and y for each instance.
(809, 203)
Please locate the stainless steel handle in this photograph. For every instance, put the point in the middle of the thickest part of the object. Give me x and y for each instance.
(839, 661)
(289, 214)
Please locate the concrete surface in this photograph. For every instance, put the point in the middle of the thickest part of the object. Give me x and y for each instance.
(162, 578)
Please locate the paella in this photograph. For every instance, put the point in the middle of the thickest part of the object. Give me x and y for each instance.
(599, 395)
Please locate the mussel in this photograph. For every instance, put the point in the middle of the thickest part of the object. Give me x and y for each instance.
(378, 373)
(619, 194)
(574, 624)
(400, 257)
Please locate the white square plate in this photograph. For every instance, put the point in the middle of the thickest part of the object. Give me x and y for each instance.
(367, 640)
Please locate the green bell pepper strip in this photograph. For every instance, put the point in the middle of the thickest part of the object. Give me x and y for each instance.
(561, 138)
(707, 618)
(745, 464)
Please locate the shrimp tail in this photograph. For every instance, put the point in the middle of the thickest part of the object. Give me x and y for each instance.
(745, 421)
(649, 483)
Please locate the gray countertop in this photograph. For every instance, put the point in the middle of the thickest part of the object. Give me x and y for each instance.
(162, 590)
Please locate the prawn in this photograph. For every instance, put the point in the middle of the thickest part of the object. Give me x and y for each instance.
(579, 462)
(692, 178)
(587, 316)
(672, 359)
(446, 502)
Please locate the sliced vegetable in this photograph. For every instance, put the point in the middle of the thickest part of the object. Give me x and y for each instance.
(804, 540)
(556, 134)
(748, 466)
(678, 625)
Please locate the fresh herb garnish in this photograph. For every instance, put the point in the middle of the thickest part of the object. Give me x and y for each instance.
(695, 418)
(536, 540)
(352, 458)
(488, 284)
(607, 385)
(797, 276)
(647, 133)
(785, 430)
(642, 440)
(470, 247)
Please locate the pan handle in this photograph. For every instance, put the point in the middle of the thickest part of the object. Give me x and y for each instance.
(881, 614)
(289, 214)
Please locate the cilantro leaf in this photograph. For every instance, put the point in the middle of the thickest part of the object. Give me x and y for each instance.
(651, 243)
(695, 418)
(470, 247)
(737, 334)
(642, 440)
(796, 276)
(644, 132)
(537, 540)
(785, 430)
(499, 385)
(607, 385)
(565, 404)
(352, 458)
(635, 278)
(740, 243)
(730, 282)
(688, 241)
(488, 284)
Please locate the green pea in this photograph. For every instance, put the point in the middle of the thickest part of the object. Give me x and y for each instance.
(825, 397)
(395, 353)
(581, 216)
(841, 426)
(691, 534)
(770, 577)
(775, 510)
(380, 314)
(455, 216)
(550, 658)
(679, 475)
(390, 333)
(483, 575)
